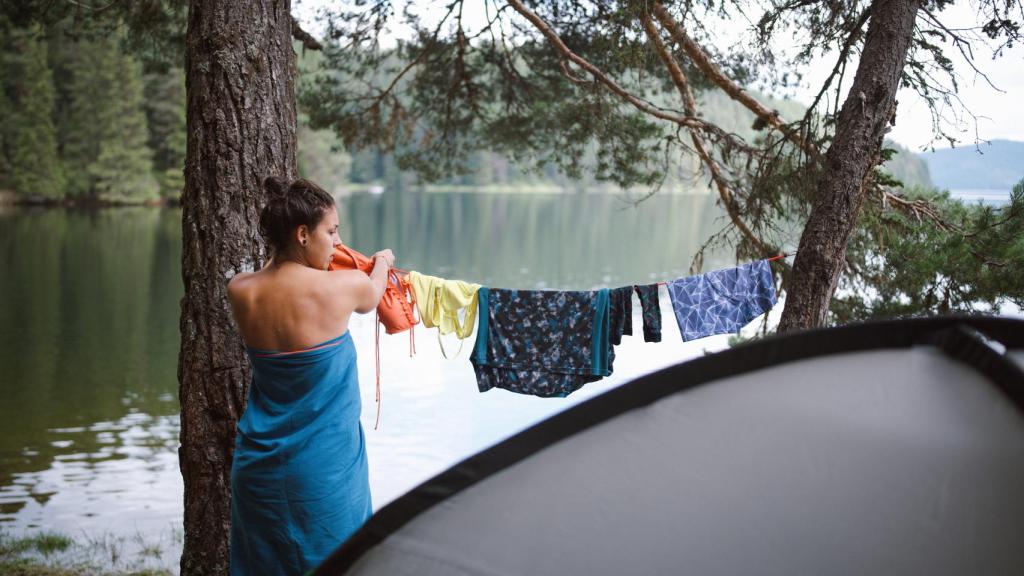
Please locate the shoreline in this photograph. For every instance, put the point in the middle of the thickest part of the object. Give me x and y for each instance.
(11, 200)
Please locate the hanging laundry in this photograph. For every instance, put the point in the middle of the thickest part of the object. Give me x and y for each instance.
(620, 309)
(651, 308)
(395, 308)
(439, 302)
(540, 342)
(722, 301)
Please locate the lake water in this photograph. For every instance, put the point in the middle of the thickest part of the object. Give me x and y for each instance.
(987, 196)
(89, 305)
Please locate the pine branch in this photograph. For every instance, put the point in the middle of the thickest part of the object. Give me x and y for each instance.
(690, 106)
(307, 39)
(735, 91)
(559, 45)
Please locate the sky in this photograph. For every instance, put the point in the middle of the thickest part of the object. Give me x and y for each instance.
(999, 110)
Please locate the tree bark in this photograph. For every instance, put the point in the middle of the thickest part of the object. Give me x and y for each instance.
(848, 163)
(240, 88)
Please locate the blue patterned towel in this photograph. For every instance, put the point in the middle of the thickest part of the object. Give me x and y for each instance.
(541, 342)
(723, 301)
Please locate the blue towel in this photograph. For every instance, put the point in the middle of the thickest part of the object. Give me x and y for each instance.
(723, 301)
(299, 481)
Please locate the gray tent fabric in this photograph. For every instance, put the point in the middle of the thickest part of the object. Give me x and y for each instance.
(893, 447)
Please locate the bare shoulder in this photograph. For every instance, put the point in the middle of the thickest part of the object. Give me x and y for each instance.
(240, 285)
(347, 281)
(350, 288)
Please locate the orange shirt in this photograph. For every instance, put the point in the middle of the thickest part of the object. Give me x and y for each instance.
(395, 308)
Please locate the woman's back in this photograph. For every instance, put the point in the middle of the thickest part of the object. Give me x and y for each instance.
(291, 307)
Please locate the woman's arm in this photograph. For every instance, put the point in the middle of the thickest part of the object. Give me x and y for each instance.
(382, 262)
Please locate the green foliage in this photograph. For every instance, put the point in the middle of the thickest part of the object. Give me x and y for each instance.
(165, 112)
(34, 166)
(153, 31)
(320, 158)
(455, 106)
(44, 542)
(7, 132)
(448, 91)
(90, 111)
(905, 167)
(902, 266)
(105, 134)
(31, 556)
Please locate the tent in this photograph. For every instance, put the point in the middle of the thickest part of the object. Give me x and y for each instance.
(891, 447)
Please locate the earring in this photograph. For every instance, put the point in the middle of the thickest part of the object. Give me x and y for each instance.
(303, 242)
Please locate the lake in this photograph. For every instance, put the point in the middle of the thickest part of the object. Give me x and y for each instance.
(986, 196)
(89, 304)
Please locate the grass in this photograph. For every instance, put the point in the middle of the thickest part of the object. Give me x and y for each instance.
(44, 543)
(53, 554)
(28, 567)
(147, 549)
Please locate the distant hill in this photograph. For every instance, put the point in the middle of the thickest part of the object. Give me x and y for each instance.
(998, 165)
(905, 166)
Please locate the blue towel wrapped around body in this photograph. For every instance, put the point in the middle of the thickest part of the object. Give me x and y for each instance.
(299, 480)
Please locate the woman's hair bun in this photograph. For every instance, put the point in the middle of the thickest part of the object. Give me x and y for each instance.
(275, 187)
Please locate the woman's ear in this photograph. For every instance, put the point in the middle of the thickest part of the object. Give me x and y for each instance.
(302, 234)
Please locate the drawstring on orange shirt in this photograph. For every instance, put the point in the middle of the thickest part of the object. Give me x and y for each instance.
(412, 351)
(377, 354)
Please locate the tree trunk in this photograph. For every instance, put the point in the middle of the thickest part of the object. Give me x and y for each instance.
(240, 70)
(849, 160)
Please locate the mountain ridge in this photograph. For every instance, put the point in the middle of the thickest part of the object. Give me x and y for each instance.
(994, 165)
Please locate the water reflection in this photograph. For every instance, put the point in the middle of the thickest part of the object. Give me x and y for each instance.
(555, 241)
(89, 305)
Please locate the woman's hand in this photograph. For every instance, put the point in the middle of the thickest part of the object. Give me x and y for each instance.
(385, 256)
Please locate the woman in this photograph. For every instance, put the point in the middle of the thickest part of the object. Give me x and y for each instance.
(299, 482)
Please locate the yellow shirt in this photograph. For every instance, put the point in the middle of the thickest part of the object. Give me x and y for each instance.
(440, 300)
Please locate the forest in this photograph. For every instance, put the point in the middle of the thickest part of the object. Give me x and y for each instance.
(92, 123)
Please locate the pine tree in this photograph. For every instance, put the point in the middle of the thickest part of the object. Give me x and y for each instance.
(62, 51)
(34, 163)
(6, 132)
(165, 113)
(6, 106)
(105, 140)
(90, 111)
(123, 171)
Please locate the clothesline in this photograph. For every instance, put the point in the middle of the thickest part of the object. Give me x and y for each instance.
(404, 272)
(781, 256)
(772, 259)
(608, 303)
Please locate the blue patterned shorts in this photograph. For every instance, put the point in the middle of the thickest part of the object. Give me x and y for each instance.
(722, 301)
